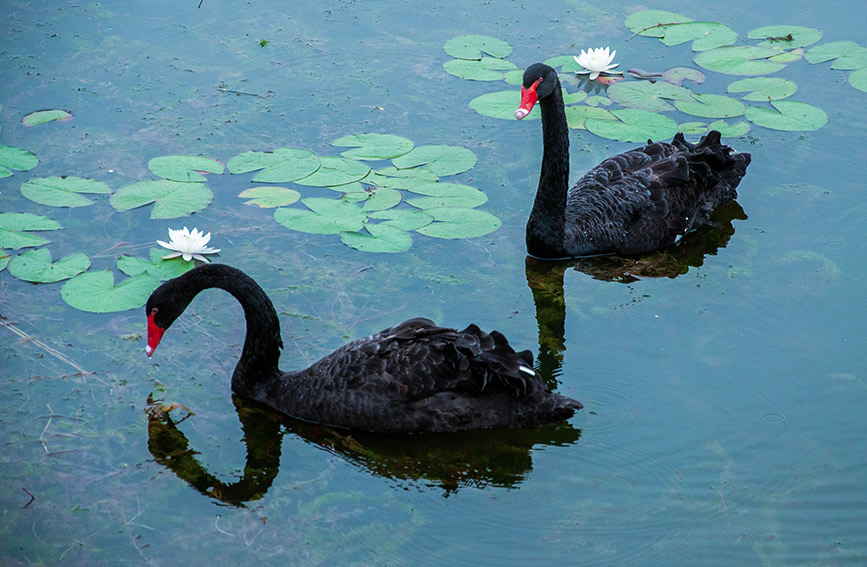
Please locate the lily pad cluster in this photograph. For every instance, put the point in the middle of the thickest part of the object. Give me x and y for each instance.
(372, 210)
(638, 110)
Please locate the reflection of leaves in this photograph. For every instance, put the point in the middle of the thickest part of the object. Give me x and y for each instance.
(474, 46)
(36, 266)
(441, 160)
(62, 191)
(280, 166)
(764, 88)
(184, 168)
(788, 115)
(15, 227)
(42, 116)
(19, 159)
(373, 146)
(270, 196)
(171, 199)
(95, 292)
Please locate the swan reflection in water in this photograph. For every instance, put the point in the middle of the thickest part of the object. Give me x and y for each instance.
(500, 457)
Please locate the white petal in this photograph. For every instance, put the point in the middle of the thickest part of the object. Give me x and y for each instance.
(172, 255)
(594, 75)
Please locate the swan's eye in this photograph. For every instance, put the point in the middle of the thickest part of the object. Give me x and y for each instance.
(154, 311)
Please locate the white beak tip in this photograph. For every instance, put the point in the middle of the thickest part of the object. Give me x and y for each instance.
(521, 113)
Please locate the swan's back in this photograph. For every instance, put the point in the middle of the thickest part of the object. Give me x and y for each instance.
(417, 377)
(648, 197)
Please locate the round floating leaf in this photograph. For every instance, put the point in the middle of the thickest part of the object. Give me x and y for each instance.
(36, 266)
(14, 229)
(381, 198)
(474, 46)
(280, 166)
(704, 35)
(402, 178)
(652, 23)
(764, 88)
(787, 56)
(598, 100)
(566, 62)
(95, 292)
(858, 79)
(43, 116)
(730, 130)
(379, 238)
(455, 222)
(442, 160)
(789, 115)
(501, 104)
(711, 106)
(576, 116)
(404, 219)
(739, 60)
(648, 96)
(157, 267)
(4, 256)
(335, 171)
(850, 61)
(63, 191)
(184, 168)
(447, 195)
(270, 196)
(692, 127)
(485, 69)
(373, 146)
(326, 216)
(15, 158)
(786, 37)
(171, 199)
(634, 125)
(828, 51)
(677, 75)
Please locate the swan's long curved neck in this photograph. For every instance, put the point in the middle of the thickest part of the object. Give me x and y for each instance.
(261, 353)
(546, 228)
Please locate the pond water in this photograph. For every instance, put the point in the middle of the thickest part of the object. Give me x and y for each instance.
(724, 407)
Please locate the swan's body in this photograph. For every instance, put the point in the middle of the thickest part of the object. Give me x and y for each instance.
(631, 203)
(412, 377)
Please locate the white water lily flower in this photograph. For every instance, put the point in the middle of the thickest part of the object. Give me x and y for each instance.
(188, 244)
(596, 62)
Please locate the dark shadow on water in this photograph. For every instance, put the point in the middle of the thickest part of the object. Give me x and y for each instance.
(448, 461)
(545, 279)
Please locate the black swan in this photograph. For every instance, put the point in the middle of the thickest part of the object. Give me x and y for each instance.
(413, 377)
(631, 203)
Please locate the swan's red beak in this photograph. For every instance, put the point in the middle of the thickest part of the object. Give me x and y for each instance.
(528, 100)
(155, 333)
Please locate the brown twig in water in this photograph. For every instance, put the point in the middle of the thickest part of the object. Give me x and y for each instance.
(31, 339)
(224, 90)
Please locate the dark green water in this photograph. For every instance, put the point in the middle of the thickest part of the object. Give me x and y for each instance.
(723, 417)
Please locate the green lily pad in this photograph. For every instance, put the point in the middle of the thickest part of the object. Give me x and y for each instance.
(404, 219)
(576, 116)
(788, 115)
(764, 88)
(19, 159)
(692, 127)
(441, 160)
(402, 178)
(574, 98)
(648, 96)
(270, 196)
(373, 146)
(95, 292)
(653, 23)
(475, 46)
(184, 168)
(326, 216)
(828, 51)
(597, 100)
(704, 35)
(727, 130)
(15, 230)
(447, 195)
(5, 256)
(786, 37)
(63, 191)
(484, 69)
(335, 171)
(280, 166)
(677, 75)
(171, 199)
(788, 56)
(711, 106)
(42, 116)
(858, 79)
(379, 238)
(456, 222)
(157, 267)
(740, 60)
(501, 104)
(36, 266)
(381, 198)
(634, 125)
(851, 61)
